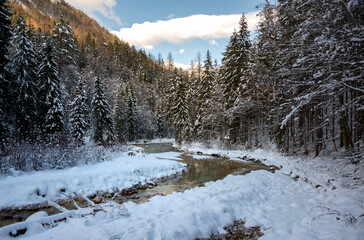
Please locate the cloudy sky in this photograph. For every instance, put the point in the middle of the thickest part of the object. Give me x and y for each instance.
(182, 27)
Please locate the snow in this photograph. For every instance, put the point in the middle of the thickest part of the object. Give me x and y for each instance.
(309, 208)
(338, 182)
(283, 208)
(122, 172)
(162, 140)
(200, 156)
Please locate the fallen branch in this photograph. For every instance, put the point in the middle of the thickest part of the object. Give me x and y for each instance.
(17, 229)
(57, 206)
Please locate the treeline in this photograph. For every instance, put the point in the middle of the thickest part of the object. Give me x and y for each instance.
(299, 84)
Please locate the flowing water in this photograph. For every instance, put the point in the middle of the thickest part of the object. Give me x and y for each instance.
(201, 169)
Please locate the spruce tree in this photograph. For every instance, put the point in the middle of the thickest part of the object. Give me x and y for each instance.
(79, 113)
(50, 86)
(179, 108)
(192, 100)
(5, 88)
(68, 52)
(120, 114)
(22, 67)
(102, 115)
(5, 34)
(66, 44)
(204, 97)
(161, 123)
(235, 62)
(132, 115)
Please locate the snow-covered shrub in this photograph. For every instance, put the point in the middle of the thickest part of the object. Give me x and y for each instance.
(41, 155)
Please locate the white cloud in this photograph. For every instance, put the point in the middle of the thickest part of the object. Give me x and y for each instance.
(181, 30)
(181, 51)
(105, 7)
(213, 42)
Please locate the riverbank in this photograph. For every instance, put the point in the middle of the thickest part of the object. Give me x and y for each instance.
(338, 181)
(280, 204)
(281, 207)
(123, 172)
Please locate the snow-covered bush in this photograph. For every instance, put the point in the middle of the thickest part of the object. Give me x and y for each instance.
(38, 156)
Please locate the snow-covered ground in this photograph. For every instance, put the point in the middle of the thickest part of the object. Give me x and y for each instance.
(282, 207)
(157, 140)
(122, 172)
(328, 172)
(339, 188)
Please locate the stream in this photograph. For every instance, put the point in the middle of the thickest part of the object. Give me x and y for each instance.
(201, 169)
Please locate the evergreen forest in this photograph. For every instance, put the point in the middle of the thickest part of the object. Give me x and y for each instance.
(297, 84)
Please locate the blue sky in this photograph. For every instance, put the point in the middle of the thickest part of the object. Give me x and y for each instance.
(183, 28)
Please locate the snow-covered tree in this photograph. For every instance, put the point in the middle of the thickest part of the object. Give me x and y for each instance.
(235, 62)
(258, 83)
(131, 114)
(66, 44)
(102, 115)
(204, 98)
(5, 88)
(79, 113)
(5, 33)
(161, 122)
(192, 99)
(120, 119)
(179, 107)
(23, 69)
(52, 107)
(67, 47)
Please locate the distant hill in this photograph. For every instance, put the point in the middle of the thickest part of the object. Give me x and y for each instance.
(43, 14)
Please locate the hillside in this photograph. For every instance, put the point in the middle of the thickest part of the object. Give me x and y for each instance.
(43, 13)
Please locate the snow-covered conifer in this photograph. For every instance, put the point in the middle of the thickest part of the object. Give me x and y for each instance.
(204, 98)
(119, 114)
(102, 115)
(5, 88)
(23, 69)
(79, 113)
(235, 62)
(132, 115)
(179, 108)
(67, 47)
(50, 86)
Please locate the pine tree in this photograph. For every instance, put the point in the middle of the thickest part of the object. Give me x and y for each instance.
(67, 47)
(66, 44)
(235, 62)
(161, 123)
(259, 83)
(179, 108)
(191, 100)
(22, 67)
(5, 34)
(5, 88)
(204, 97)
(79, 113)
(132, 115)
(103, 122)
(50, 86)
(120, 119)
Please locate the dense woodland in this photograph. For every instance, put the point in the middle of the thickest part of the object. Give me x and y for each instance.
(298, 85)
